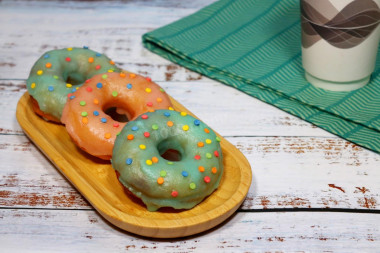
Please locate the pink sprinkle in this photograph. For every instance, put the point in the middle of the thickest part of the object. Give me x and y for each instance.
(144, 116)
(149, 104)
(207, 179)
(68, 59)
(97, 67)
(115, 124)
(89, 89)
(174, 194)
(146, 134)
(197, 157)
(69, 95)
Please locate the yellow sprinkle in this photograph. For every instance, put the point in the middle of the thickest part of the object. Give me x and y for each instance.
(69, 49)
(85, 120)
(40, 72)
(170, 123)
(151, 110)
(160, 180)
(148, 162)
(132, 75)
(185, 127)
(171, 108)
(122, 75)
(148, 90)
(96, 101)
(183, 114)
(69, 85)
(142, 146)
(76, 88)
(107, 135)
(110, 70)
(159, 100)
(208, 141)
(91, 60)
(33, 85)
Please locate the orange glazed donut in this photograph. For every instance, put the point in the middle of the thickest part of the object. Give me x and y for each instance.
(85, 117)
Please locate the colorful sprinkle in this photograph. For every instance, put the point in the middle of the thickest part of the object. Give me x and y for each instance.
(144, 116)
(184, 173)
(104, 76)
(185, 128)
(99, 85)
(214, 170)
(148, 79)
(97, 67)
(146, 134)
(114, 93)
(208, 155)
(84, 114)
(142, 146)
(84, 120)
(216, 153)
(174, 194)
(33, 85)
(130, 137)
(207, 130)
(154, 159)
(162, 90)
(197, 157)
(197, 122)
(167, 114)
(135, 128)
(148, 90)
(68, 59)
(149, 104)
(107, 135)
(115, 124)
(160, 180)
(162, 173)
(154, 126)
(129, 86)
(148, 162)
(85, 47)
(207, 179)
(50, 88)
(96, 101)
(129, 161)
(217, 139)
(69, 85)
(132, 75)
(96, 113)
(122, 74)
(46, 56)
(69, 49)
(40, 72)
(98, 54)
(201, 169)
(159, 100)
(103, 120)
(82, 103)
(91, 60)
(208, 141)
(170, 123)
(89, 89)
(171, 108)
(192, 186)
(56, 77)
(200, 144)
(48, 65)
(183, 114)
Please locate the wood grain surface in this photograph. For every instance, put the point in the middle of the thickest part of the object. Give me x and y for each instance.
(311, 191)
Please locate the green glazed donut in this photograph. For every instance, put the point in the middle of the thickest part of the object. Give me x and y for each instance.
(58, 73)
(180, 181)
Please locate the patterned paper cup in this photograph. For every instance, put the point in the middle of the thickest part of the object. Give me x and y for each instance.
(339, 42)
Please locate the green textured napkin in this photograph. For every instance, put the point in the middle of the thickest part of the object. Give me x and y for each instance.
(255, 46)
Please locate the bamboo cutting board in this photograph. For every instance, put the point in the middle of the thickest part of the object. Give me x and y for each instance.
(96, 180)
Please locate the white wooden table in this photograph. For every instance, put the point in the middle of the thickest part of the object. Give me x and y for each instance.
(311, 191)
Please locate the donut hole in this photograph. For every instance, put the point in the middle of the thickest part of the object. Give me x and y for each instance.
(74, 78)
(117, 114)
(170, 149)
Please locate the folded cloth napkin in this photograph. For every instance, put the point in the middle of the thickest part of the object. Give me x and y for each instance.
(255, 46)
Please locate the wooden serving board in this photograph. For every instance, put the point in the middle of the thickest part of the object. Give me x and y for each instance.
(96, 180)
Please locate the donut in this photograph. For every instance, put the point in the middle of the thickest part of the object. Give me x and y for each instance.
(86, 114)
(192, 170)
(60, 72)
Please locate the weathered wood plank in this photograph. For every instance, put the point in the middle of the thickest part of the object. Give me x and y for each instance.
(228, 111)
(288, 172)
(114, 29)
(85, 231)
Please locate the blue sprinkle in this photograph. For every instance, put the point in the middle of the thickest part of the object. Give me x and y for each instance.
(73, 89)
(129, 161)
(197, 122)
(96, 113)
(129, 86)
(85, 47)
(167, 114)
(184, 173)
(51, 88)
(104, 120)
(135, 128)
(99, 85)
(46, 56)
(98, 54)
(72, 97)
